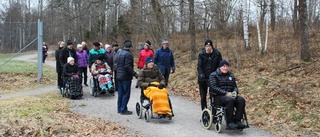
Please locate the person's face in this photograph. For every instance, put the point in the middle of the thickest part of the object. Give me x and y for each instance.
(150, 65)
(96, 47)
(84, 44)
(80, 49)
(208, 48)
(99, 61)
(61, 44)
(70, 46)
(72, 62)
(224, 69)
(114, 47)
(109, 49)
(165, 45)
(145, 47)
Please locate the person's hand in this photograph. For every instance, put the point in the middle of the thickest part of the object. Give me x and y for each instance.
(173, 70)
(75, 76)
(234, 94)
(161, 86)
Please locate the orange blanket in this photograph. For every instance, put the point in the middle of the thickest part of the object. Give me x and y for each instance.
(159, 99)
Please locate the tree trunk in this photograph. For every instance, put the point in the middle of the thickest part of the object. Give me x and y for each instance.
(267, 28)
(273, 15)
(158, 29)
(245, 24)
(303, 18)
(192, 30)
(258, 28)
(295, 18)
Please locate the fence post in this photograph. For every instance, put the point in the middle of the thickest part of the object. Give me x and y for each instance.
(40, 57)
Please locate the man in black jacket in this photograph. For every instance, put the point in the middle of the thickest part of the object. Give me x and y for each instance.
(66, 52)
(125, 73)
(208, 61)
(58, 64)
(223, 84)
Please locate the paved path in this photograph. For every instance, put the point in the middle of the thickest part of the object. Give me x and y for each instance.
(184, 124)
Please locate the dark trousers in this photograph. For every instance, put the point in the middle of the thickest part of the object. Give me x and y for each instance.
(124, 90)
(166, 78)
(84, 71)
(115, 80)
(44, 59)
(59, 80)
(203, 87)
(229, 103)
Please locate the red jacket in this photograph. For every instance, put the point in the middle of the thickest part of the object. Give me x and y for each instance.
(143, 56)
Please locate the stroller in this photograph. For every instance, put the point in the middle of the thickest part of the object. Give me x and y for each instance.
(72, 87)
(154, 101)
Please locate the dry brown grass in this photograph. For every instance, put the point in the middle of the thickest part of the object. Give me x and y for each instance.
(281, 91)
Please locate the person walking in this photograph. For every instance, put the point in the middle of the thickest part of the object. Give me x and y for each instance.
(125, 73)
(59, 68)
(44, 52)
(208, 61)
(109, 55)
(143, 55)
(82, 63)
(66, 52)
(164, 60)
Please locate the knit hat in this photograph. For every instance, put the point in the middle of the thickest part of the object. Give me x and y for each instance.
(148, 43)
(165, 41)
(70, 59)
(96, 44)
(79, 46)
(223, 62)
(107, 46)
(128, 44)
(149, 59)
(127, 41)
(208, 42)
(69, 42)
(115, 45)
(100, 57)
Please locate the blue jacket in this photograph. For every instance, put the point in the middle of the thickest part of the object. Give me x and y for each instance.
(125, 65)
(164, 60)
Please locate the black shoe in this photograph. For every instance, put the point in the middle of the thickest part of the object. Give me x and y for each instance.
(85, 84)
(241, 125)
(126, 113)
(137, 86)
(232, 126)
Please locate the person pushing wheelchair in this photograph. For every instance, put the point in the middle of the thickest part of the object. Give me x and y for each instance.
(223, 84)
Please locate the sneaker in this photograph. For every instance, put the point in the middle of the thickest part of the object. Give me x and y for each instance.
(232, 126)
(241, 125)
(126, 112)
(86, 84)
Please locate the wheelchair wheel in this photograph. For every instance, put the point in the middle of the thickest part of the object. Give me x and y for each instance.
(139, 110)
(147, 116)
(217, 127)
(206, 119)
(91, 87)
(95, 93)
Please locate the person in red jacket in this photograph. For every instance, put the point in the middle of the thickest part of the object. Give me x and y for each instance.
(144, 54)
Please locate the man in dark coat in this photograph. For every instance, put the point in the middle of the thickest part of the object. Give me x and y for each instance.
(125, 73)
(58, 64)
(223, 84)
(208, 61)
(66, 52)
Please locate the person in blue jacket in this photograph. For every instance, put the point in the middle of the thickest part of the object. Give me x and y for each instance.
(164, 60)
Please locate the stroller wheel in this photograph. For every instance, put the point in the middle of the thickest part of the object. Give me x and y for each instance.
(206, 119)
(139, 110)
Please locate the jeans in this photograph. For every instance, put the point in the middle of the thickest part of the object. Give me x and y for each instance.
(124, 90)
(84, 71)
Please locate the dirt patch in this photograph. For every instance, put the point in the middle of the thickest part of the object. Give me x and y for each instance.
(12, 82)
(49, 115)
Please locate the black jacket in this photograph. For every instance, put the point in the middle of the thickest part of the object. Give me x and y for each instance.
(58, 64)
(69, 70)
(207, 63)
(125, 65)
(221, 83)
(65, 53)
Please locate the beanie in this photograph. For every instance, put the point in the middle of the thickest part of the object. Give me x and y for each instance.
(149, 59)
(79, 46)
(223, 62)
(165, 41)
(69, 42)
(107, 46)
(128, 44)
(148, 43)
(100, 57)
(70, 59)
(96, 44)
(127, 41)
(208, 42)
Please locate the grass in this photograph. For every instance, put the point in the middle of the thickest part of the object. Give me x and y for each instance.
(22, 75)
(49, 115)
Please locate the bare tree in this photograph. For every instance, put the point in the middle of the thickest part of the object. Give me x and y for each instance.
(192, 30)
(273, 15)
(245, 24)
(303, 18)
(295, 18)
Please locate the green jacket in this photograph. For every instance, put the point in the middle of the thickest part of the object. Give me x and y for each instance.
(147, 75)
(93, 55)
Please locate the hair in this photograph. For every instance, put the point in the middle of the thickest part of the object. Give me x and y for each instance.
(59, 43)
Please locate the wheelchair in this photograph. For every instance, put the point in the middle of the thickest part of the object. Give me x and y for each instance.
(72, 88)
(95, 88)
(144, 106)
(214, 115)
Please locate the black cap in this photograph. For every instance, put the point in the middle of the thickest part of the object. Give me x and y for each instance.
(100, 57)
(128, 44)
(115, 45)
(208, 42)
(148, 43)
(69, 42)
(223, 62)
(96, 44)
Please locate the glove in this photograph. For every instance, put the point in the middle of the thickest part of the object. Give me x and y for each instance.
(173, 69)
(152, 85)
(136, 76)
(161, 86)
(234, 94)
